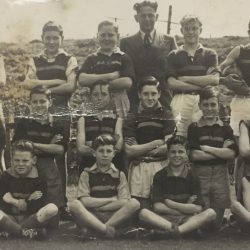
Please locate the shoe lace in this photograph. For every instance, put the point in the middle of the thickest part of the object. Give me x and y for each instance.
(31, 233)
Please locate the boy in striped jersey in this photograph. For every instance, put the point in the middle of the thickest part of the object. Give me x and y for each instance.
(189, 69)
(104, 201)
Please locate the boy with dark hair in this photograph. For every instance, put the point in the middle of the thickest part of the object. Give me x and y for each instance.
(104, 201)
(176, 195)
(49, 139)
(145, 133)
(212, 145)
(189, 69)
(100, 118)
(23, 195)
(148, 50)
(110, 64)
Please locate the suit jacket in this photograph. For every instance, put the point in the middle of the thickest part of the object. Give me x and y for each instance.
(148, 60)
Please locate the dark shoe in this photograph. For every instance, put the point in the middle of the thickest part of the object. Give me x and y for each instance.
(65, 214)
(4, 235)
(33, 233)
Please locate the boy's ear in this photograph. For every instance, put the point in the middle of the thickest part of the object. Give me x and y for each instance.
(181, 29)
(136, 18)
(93, 153)
(34, 160)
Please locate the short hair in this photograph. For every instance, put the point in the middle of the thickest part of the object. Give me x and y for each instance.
(41, 89)
(175, 140)
(23, 146)
(208, 92)
(190, 18)
(99, 82)
(108, 23)
(52, 26)
(149, 80)
(104, 139)
(137, 7)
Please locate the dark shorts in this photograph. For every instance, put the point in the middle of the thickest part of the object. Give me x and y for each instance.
(144, 202)
(176, 219)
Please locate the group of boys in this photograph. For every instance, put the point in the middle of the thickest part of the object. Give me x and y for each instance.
(155, 142)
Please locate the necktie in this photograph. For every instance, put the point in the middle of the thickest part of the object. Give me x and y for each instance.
(147, 41)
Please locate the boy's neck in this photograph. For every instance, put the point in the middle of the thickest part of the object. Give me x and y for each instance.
(191, 46)
(42, 119)
(177, 170)
(103, 168)
(51, 55)
(210, 120)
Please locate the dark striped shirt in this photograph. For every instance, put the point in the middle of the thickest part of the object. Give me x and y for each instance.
(217, 135)
(94, 183)
(176, 188)
(243, 62)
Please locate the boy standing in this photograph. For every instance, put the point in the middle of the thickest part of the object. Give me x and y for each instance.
(176, 195)
(49, 139)
(23, 195)
(189, 69)
(145, 133)
(103, 196)
(109, 64)
(212, 145)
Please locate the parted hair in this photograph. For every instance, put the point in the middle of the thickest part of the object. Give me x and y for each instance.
(190, 18)
(137, 7)
(23, 146)
(149, 80)
(104, 139)
(41, 89)
(52, 26)
(208, 92)
(108, 23)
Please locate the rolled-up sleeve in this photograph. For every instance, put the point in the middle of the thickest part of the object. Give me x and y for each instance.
(83, 186)
(123, 189)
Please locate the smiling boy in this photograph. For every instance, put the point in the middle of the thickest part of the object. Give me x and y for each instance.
(211, 146)
(109, 64)
(176, 194)
(23, 195)
(104, 201)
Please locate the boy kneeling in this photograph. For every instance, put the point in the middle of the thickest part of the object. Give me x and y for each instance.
(177, 201)
(23, 195)
(104, 201)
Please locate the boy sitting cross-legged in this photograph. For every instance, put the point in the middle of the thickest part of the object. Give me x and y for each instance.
(176, 195)
(23, 195)
(104, 201)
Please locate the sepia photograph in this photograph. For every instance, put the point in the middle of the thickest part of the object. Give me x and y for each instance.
(124, 124)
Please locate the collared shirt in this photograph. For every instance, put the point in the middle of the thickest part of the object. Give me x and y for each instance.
(243, 62)
(95, 183)
(176, 188)
(102, 63)
(152, 35)
(215, 135)
(71, 64)
(181, 63)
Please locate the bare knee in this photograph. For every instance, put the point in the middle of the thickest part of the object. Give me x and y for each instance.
(235, 206)
(210, 214)
(2, 214)
(75, 206)
(143, 214)
(51, 209)
(134, 204)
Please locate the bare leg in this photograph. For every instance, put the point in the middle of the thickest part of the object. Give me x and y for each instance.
(83, 218)
(246, 193)
(9, 225)
(124, 213)
(155, 220)
(242, 213)
(197, 221)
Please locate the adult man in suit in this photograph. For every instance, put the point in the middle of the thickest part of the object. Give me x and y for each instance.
(148, 50)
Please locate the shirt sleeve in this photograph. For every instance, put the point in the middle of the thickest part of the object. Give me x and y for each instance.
(83, 186)
(87, 66)
(127, 69)
(173, 44)
(212, 62)
(123, 190)
(20, 131)
(192, 138)
(169, 123)
(31, 70)
(157, 192)
(129, 129)
(72, 66)
(229, 140)
(170, 67)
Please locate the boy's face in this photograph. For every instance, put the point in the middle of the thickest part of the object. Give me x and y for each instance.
(177, 155)
(146, 18)
(23, 162)
(149, 96)
(191, 32)
(52, 41)
(104, 155)
(209, 107)
(107, 38)
(39, 104)
(100, 96)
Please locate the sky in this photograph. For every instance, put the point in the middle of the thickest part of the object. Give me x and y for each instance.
(22, 20)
